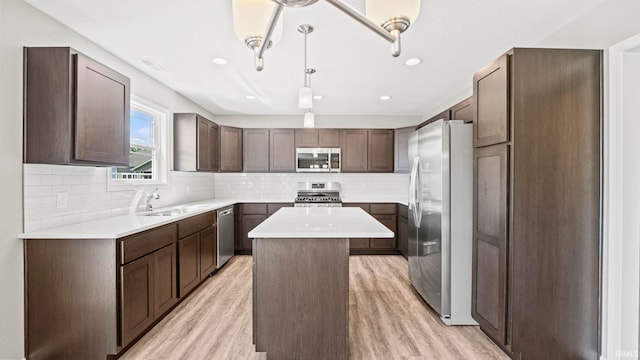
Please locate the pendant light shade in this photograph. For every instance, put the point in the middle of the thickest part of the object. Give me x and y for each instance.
(251, 18)
(380, 11)
(309, 120)
(305, 98)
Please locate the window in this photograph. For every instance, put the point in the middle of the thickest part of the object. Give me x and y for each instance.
(147, 163)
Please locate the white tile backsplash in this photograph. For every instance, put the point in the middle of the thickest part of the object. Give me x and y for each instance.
(89, 199)
(282, 187)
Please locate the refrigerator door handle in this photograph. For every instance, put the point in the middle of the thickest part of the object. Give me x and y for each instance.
(412, 185)
(418, 194)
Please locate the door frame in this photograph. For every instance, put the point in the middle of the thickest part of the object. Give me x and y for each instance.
(613, 242)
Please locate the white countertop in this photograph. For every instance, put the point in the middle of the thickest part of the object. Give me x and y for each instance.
(120, 226)
(330, 222)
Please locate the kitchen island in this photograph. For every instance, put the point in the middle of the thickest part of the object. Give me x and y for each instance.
(301, 280)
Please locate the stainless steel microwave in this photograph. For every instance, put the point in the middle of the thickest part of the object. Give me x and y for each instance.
(318, 160)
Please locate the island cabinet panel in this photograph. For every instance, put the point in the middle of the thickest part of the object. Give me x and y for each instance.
(380, 150)
(354, 150)
(138, 297)
(491, 103)
(230, 149)
(282, 150)
(195, 143)
(256, 150)
(463, 110)
(76, 110)
(311, 302)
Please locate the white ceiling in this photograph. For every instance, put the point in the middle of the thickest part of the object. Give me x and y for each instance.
(354, 66)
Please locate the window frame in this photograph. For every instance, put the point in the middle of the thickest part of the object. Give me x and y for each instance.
(161, 116)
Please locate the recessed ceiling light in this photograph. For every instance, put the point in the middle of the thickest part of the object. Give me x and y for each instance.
(151, 64)
(251, 97)
(318, 97)
(385, 97)
(413, 61)
(219, 61)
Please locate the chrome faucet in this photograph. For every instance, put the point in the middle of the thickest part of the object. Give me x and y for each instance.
(150, 196)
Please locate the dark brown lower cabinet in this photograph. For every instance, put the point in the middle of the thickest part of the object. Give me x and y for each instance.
(384, 213)
(165, 281)
(189, 260)
(137, 297)
(403, 230)
(251, 215)
(490, 239)
(208, 251)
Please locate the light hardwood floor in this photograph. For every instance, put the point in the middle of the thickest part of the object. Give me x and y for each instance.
(387, 320)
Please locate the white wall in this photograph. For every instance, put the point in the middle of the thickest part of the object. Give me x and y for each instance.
(22, 25)
(321, 121)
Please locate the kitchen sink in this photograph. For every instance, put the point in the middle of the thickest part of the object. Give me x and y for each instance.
(172, 212)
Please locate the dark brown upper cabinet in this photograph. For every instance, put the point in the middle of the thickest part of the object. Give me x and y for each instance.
(367, 150)
(269, 150)
(354, 150)
(282, 150)
(491, 103)
(463, 110)
(380, 154)
(76, 110)
(322, 138)
(230, 149)
(195, 143)
(256, 150)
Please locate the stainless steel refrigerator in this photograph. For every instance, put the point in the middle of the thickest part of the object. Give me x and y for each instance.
(441, 218)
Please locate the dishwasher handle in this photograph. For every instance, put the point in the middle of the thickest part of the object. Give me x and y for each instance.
(225, 212)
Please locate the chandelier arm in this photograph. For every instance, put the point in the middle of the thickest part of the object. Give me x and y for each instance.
(273, 21)
(354, 14)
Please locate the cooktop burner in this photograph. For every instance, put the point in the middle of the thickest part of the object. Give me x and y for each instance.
(318, 199)
(322, 194)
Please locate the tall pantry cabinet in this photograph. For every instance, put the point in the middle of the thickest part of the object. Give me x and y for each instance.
(536, 238)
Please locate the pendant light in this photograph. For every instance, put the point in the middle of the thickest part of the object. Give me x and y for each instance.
(305, 95)
(309, 120)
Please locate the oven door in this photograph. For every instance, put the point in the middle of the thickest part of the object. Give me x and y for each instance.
(313, 160)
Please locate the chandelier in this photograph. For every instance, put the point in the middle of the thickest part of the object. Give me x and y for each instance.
(387, 18)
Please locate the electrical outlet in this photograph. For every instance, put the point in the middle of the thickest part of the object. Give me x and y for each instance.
(62, 200)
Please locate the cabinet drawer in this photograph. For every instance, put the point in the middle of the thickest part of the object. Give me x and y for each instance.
(196, 223)
(136, 246)
(257, 209)
(383, 209)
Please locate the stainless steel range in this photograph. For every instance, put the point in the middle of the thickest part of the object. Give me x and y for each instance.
(312, 194)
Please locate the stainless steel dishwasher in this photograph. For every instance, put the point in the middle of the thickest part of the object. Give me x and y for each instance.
(225, 236)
